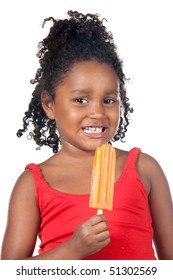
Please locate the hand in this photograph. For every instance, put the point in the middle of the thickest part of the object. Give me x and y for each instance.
(90, 236)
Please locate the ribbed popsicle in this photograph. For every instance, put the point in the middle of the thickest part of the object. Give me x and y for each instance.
(103, 178)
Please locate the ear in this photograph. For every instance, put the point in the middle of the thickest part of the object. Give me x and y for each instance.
(47, 104)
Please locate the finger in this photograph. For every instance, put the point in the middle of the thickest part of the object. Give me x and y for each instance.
(103, 237)
(96, 219)
(100, 227)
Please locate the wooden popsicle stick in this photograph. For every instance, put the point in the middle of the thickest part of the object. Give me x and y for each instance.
(99, 211)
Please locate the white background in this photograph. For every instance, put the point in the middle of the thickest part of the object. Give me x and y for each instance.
(143, 33)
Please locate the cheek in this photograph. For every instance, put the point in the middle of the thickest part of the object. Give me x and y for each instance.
(66, 117)
(115, 120)
(114, 115)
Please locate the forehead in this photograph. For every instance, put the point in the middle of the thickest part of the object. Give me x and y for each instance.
(92, 72)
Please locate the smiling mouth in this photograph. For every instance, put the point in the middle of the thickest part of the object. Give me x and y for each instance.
(93, 130)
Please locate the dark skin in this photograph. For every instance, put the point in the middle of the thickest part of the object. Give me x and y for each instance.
(87, 98)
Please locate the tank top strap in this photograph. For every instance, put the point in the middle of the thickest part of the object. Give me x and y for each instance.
(39, 181)
(132, 157)
(35, 171)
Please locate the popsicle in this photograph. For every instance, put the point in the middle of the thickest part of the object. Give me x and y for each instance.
(103, 177)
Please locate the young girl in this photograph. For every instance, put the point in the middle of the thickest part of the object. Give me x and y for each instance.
(79, 103)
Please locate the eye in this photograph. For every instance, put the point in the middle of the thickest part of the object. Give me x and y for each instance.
(109, 101)
(81, 100)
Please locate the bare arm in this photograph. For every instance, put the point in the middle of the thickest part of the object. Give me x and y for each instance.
(23, 225)
(23, 220)
(161, 207)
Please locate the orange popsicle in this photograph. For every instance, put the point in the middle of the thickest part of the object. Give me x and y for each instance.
(103, 177)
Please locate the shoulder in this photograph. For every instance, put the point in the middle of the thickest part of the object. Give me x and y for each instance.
(149, 166)
(25, 184)
(23, 195)
(26, 177)
(154, 179)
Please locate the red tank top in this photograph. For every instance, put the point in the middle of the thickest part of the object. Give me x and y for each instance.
(129, 222)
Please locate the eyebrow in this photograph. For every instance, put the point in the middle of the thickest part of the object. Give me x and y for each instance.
(81, 90)
(89, 90)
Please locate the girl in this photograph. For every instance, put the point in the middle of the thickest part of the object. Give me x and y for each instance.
(79, 103)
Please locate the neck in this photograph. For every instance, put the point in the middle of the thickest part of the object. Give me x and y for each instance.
(73, 152)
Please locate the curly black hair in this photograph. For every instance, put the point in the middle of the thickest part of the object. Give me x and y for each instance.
(75, 39)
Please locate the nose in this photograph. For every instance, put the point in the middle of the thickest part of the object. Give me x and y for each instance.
(97, 111)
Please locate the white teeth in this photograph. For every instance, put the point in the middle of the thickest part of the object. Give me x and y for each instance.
(93, 129)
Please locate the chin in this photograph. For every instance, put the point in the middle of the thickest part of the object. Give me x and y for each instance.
(92, 146)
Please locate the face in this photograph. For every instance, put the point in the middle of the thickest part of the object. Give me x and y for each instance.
(86, 106)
